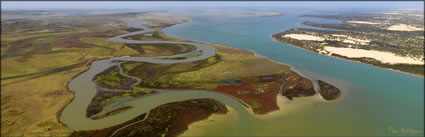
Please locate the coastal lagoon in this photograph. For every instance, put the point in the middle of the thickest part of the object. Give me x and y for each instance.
(374, 101)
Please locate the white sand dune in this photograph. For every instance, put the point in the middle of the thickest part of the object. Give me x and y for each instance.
(385, 57)
(362, 22)
(342, 38)
(351, 40)
(404, 27)
(304, 37)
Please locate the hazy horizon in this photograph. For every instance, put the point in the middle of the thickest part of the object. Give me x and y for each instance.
(104, 5)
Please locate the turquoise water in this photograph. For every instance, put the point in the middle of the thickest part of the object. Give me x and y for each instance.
(373, 101)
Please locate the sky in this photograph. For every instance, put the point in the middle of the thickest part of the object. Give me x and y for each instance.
(40, 5)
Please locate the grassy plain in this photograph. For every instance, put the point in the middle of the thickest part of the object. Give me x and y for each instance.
(35, 74)
(39, 57)
(234, 63)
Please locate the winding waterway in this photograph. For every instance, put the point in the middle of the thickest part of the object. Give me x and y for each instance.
(74, 114)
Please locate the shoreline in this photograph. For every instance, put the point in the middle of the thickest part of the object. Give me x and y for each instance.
(197, 127)
(415, 75)
(292, 67)
(58, 114)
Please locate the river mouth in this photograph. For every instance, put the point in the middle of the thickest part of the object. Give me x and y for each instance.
(373, 99)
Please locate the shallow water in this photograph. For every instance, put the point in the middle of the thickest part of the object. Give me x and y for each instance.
(374, 100)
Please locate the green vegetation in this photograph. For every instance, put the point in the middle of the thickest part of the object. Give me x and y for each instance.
(162, 49)
(13, 38)
(161, 83)
(151, 71)
(141, 91)
(255, 104)
(112, 79)
(410, 68)
(103, 102)
(128, 66)
(169, 84)
(135, 92)
(55, 50)
(183, 57)
(4, 49)
(232, 64)
(415, 69)
(157, 35)
(212, 60)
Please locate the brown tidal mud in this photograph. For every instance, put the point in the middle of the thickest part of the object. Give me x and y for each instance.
(297, 86)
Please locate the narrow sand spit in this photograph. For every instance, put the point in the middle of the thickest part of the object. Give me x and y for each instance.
(304, 37)
(404, 27)
(385, 57)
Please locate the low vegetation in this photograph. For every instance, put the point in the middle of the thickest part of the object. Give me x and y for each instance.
(39, 57)
(112, 79)
(103, 98)
(182, 57)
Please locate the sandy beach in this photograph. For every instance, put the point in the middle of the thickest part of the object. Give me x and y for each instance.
(324, 52)
(404, 27)
(385, 57)
(342, 38)
(304, 37)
